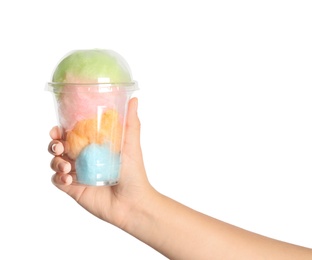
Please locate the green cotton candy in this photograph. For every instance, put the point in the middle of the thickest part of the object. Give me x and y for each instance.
(92, 66)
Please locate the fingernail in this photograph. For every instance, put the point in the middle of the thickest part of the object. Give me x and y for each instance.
(53, 147)
(64, 178)
(64, 167)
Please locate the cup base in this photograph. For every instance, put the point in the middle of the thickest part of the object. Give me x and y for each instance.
(98, 183)
(111, 182)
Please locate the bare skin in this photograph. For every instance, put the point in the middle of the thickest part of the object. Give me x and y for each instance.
(171, 228)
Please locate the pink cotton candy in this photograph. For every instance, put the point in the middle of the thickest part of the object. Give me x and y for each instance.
(79, 103)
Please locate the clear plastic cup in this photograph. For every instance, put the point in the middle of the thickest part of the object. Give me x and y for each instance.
(91, 111)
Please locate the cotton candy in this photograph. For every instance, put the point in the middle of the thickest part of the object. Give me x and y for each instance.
(106, 129)
(75, 104)
(97, 165)
(92, 66)
(91, 91)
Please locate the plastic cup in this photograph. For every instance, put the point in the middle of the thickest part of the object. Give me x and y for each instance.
(92, 118)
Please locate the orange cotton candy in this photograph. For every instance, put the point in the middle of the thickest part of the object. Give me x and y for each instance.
(105, 129)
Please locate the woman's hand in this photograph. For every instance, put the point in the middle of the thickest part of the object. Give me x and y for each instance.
(110, 203)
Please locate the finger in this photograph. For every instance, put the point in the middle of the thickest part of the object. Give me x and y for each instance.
(62, 179)
(133, 125)
(60, 165)
(56, 133)
(56, 147)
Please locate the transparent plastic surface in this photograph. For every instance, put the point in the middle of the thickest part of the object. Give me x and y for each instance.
(91, 90)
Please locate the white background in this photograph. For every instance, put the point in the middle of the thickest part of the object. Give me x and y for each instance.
(224, 102)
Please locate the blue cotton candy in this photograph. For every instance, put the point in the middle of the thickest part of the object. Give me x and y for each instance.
(97, 165)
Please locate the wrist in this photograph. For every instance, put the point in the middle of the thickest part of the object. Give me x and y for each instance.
(129, 205)
(141, 221)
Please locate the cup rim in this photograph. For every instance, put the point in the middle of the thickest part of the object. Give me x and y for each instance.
(58, 87)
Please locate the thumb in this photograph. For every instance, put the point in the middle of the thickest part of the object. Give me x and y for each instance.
(132, 129)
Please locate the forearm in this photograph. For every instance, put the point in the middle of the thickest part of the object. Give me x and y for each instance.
(179, 232)
(170, 228)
